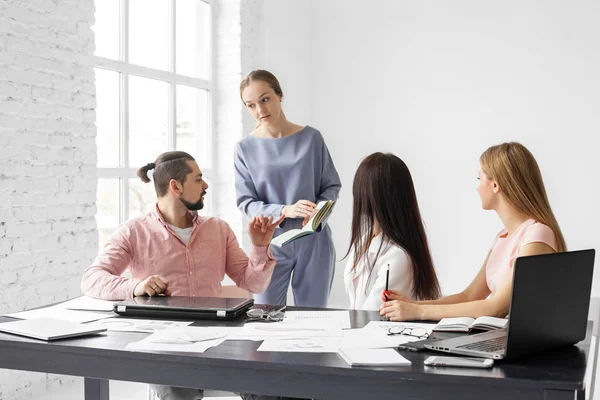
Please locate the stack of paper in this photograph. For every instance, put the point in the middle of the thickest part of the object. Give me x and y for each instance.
(71, 311)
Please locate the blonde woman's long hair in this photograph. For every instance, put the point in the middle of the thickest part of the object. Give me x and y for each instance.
(519, 177)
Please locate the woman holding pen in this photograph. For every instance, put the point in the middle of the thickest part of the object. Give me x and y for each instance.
(285, 169)
(387, 235)
(510, 183)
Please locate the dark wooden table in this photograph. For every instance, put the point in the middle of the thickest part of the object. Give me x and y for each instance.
(236, 366)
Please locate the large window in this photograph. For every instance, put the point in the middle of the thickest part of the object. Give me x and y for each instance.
(153, 94)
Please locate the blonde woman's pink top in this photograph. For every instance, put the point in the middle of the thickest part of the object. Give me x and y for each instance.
(505, 250)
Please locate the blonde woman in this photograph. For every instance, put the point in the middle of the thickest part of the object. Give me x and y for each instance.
(510, 183)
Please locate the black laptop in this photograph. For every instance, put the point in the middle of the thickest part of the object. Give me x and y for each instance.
(181, 307)
(548, 309)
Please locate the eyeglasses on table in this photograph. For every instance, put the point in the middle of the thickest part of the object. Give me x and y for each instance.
(417, 332)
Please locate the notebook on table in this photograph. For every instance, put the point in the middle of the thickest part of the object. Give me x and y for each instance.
(548, 309)
(48, 329)
(466, 324)
(183, 307)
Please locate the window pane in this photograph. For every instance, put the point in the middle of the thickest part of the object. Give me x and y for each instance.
(107, 216)
(107, 117)
(192, 123)
(193, 38)
(142, 197)
(148, 116)
(106, 28)
(149, 33)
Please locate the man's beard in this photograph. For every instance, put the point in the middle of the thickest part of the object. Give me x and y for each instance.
(199, 205)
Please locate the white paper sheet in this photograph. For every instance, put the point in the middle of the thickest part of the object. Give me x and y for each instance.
(188, 347)
(287, 329)
(341, 318)
(182, 339)
(137, 325)
(302, 345)
(85, 303)
(384, 326)
(373, 339)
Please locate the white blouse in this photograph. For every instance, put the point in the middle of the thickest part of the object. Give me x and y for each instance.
(365, 291)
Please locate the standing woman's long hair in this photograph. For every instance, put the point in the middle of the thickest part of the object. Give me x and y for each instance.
(520, 179)
(383, 190)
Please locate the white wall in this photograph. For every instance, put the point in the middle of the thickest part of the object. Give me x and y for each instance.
(437, 83)
(47, 161)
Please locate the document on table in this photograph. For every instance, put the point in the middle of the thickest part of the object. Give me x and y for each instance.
(302, 345)
(84, 303)
(59, 312)
(384, 326)
(341, 318)
(329, 338)
(286, 329)
(137, 325)
(373, 339)
(187, 339)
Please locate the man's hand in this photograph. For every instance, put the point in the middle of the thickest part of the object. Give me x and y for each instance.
(302, 209)
(152, 286)
(261, 229)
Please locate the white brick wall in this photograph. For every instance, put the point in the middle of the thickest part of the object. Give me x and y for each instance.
(47, 161)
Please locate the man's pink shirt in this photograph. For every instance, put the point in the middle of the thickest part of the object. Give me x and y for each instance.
(148, 246)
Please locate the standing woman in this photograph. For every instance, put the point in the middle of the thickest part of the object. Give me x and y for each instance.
(285, 169)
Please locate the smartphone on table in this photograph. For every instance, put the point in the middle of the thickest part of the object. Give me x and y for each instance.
(468, 362)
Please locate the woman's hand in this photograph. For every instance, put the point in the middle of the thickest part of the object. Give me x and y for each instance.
(301, 209)
(397, 310)
(395, 295)
(261, 229)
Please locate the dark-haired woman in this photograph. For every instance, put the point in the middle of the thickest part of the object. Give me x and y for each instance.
(387, 230)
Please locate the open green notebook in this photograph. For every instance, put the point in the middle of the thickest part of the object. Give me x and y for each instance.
(324, 209)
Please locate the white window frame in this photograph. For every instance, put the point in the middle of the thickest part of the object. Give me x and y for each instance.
(125, 69)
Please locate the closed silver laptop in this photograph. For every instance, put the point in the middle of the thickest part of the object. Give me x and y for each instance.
(184, 307)
(548, 309)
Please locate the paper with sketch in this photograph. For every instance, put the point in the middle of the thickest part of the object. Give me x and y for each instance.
(384, 326)
(302, 345)
(85, 303)
(137, 325)
(341, 318)
(373, 338)
(290, 330)
(58, 312)
(157, 342)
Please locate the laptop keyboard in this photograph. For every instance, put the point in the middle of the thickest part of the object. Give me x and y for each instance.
(490, 345)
